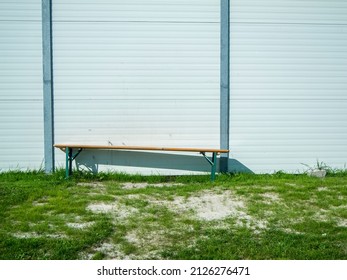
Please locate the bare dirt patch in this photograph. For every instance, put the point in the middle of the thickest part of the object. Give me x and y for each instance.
(149, 243)
(270, 198)
(96, 187)
(112, 251)
(116, 209)
(41, 202)
(322, 216)
(26, 235)
(80, 225)
(38, 204)
(153, 238)
(291, 231)
(91, 184)
(212, 206)
(146, 185)
(101, 207)
(342, 222)
(205, 205)
(291, 184)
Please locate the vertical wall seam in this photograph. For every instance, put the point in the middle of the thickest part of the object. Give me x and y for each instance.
(47, 63)
(224, 82)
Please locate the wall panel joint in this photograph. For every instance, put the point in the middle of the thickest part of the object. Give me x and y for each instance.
(224, 82)
(47, 61)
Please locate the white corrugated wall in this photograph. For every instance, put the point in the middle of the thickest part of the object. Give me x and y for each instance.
(21, 109)
(147, 73)
(288, 84)
(137, 73)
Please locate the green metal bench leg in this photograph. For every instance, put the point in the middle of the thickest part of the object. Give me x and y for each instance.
(68, 162)
(69, 159)
(213, 166)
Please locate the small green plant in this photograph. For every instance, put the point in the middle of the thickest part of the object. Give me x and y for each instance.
(320, 165)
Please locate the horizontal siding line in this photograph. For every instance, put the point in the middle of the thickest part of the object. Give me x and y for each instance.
(183, 99)
(248, 53)
(288, 23)
(134, 21)
(21, 99)
(311, 11)
(287, 99)
(21, 20)
(292, 84)
(136, 99)
(263, 64)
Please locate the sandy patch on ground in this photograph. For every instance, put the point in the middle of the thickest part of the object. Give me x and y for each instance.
(270, 198)
(101, 207)
(208, 205)
(151, 242)
(37, 204)
(26, 235)
(41, 202)
(80, 225)
(340, 207)
(342, 222)
(97, 187)
(291, 231)
(145, 185)
(115, 252)
(112, 251)
(322, 216)
(116, 209)
(91, 184)
(153, 239)
(212, 206)
(290, 184)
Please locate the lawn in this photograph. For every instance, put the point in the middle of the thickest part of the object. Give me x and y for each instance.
(117, 216)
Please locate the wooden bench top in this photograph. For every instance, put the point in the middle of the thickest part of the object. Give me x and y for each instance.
(139, 148)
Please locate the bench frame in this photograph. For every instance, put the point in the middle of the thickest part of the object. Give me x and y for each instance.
(70, 156)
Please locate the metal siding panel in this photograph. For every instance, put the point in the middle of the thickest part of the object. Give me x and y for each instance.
(20, 57)
(139, 80)
(139, 61)
(21, 135)
(21, 112)
(288, 84)
(136, 10)
(27, 10)
(289, 11)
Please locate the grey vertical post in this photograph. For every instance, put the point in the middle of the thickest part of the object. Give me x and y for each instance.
(224, 82)
(47, 61)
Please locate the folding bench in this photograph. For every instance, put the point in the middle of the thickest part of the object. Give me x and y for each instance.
(73, 150)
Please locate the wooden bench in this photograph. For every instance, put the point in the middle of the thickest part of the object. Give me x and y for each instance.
(71, 156)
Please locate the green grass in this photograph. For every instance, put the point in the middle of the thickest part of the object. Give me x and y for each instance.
(242, 216)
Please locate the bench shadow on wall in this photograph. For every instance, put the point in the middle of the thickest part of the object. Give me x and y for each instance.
(91, 160)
